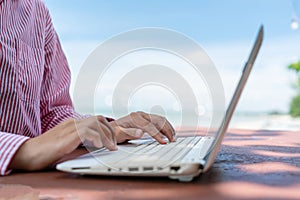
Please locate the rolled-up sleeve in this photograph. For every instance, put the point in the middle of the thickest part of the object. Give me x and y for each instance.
(35, 77)
(9, 145)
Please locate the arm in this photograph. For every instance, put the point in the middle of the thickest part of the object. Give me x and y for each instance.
(61, 132)
(63, 129)
(39, 152)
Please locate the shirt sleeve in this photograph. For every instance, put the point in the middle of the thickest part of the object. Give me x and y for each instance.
(9, 145)
(56, 104)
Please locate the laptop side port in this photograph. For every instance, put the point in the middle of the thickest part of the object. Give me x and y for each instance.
(148, 168)
(133, 169)
(175, 168)
(201, 166)
(80, 168)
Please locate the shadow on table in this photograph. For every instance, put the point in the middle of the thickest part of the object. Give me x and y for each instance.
(231, 160)
(259, 134)
(227, 166)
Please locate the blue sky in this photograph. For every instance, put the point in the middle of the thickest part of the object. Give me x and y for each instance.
(210, 20)
(225, 29)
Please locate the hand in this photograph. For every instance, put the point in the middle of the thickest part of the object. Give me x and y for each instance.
(133, 126)
(38, 153)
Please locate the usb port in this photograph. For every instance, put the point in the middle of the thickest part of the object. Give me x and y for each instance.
(148, 168)
(133, 169)
(175, 168)
(80, 168)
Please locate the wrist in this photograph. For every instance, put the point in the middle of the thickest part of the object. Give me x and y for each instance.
(24, 158)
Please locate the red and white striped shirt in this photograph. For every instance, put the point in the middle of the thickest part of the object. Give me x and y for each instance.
(34, 76)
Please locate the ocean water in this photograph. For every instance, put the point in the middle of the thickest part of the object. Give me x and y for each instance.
(240, 120)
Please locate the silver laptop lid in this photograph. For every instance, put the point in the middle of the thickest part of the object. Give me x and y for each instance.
(233, 103)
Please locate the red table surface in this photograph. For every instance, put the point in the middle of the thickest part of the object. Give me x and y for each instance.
(250, 165)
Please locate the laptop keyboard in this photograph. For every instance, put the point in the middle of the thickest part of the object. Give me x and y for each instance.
(151, 152)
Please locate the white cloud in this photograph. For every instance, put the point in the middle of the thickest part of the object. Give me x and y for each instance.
(269, 85)
(268, 88)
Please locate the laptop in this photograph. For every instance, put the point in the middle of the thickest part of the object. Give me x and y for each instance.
(182, 160)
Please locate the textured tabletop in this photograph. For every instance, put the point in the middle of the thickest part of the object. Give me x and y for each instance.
(250, 165)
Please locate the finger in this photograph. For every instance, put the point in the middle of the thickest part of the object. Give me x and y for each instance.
(107, 128)
(106, 138)
(104, 121)
(91, 136)
(100, 134)
(109, 145)
(162, 124)
(129, 134)
(169, 126)
(100, 141)
(158, 138)
(166, 129)
(146, 126)
(104, 130)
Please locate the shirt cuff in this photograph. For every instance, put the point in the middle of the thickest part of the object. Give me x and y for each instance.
(9, 145)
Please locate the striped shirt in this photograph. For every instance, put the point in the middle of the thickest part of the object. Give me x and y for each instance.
(34, 76)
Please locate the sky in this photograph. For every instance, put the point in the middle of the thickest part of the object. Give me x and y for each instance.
(225, 29)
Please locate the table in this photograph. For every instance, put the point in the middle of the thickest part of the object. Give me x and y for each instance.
(252, 164)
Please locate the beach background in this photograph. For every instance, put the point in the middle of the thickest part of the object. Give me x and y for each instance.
(224, 29)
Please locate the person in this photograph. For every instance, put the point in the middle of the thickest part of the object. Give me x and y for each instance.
(38, 123)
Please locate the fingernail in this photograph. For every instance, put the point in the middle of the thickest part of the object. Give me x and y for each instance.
(174, 139)
(163, 142)
(115, 148)
(138, 133)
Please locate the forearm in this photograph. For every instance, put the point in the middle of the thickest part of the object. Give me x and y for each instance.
(40, 152)
(46, 149)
